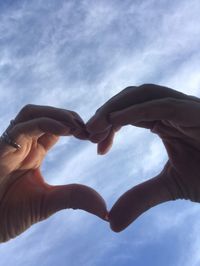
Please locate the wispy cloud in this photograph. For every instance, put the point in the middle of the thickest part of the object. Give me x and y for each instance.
(76, 56)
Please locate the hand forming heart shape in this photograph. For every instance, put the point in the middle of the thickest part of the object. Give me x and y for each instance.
(172, 115)
(25, 198)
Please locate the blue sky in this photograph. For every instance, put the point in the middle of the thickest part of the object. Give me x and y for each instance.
(76, 55)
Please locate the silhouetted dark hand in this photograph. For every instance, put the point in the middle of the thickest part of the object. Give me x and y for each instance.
(175, 118)
(25, 198)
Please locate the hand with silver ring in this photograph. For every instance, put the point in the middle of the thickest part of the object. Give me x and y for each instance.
(6, 138)
(175, 118)
(25, 197)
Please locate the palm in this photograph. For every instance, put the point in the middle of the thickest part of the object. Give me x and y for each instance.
(25, 198)
(22, 204)
(25, 190)
(174, 117)
(181, 144)
(180, 177)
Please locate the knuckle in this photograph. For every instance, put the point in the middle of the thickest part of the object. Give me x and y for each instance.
(128, 88)
(25, 113)
(15, 131)
(147, 85)
(27, 108)
(153, 91)
(148, 89)
(125, 91)
(72, 113)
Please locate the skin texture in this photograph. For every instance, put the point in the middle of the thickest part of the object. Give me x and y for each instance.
(175, 118)
(25, 197)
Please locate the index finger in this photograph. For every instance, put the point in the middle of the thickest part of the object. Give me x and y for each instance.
(126, 98)
(67, 117)
(31, 111)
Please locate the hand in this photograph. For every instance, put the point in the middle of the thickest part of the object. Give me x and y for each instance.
(25, 198)
(174, 117)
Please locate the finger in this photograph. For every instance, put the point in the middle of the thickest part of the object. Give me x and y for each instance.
(75, 196)
(34, 128)
(80, 133)
(164, 109)
(48, 140)
(96, 138)
(69, 118)
(100, 122)
(126, 98)
(104, 140)
(29, 200)
(39, 126)
(138, 200)
(145, 124)
(106, 144)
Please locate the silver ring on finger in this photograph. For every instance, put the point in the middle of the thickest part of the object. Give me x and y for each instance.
(6, 138)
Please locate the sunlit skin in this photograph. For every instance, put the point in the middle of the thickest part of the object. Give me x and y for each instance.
(25, 197)
(175, 118)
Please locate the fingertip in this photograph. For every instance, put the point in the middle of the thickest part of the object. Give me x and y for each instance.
(105, 145)
(87, 199)
(101, 150)
(115, 227)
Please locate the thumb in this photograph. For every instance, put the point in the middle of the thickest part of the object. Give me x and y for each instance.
(75, 196)
(137, 200)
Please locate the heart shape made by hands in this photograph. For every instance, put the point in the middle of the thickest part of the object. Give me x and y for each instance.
(25, 198)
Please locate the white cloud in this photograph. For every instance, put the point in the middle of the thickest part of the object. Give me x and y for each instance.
(76, 57)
